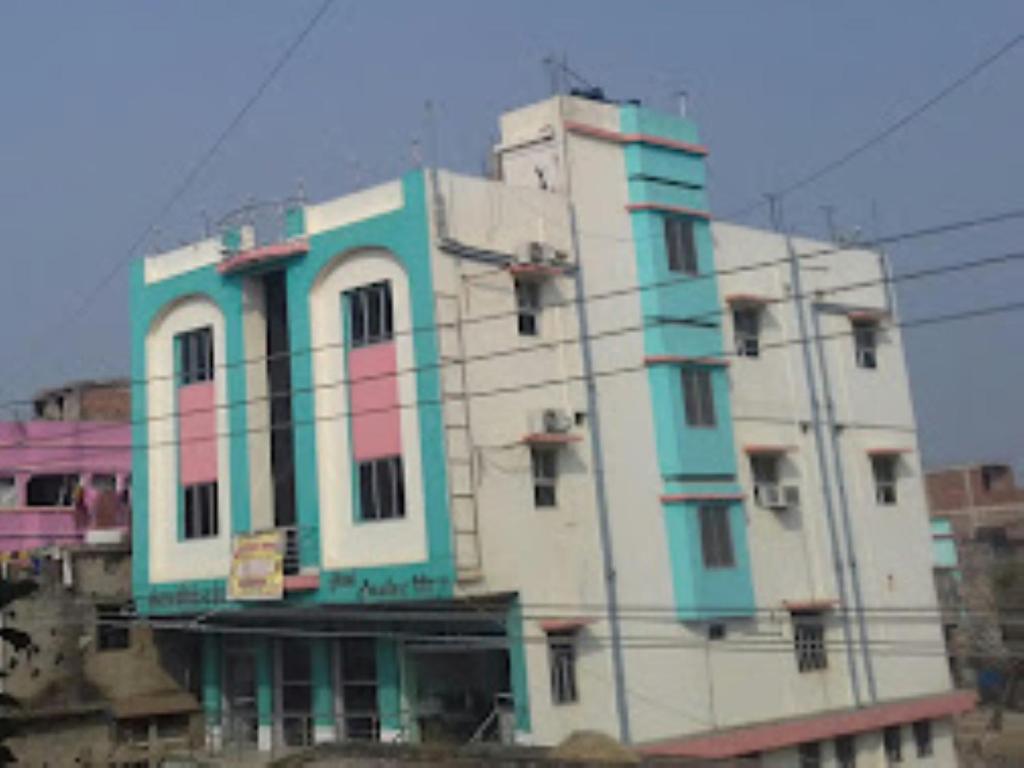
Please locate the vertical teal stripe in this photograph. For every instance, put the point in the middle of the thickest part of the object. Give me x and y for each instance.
(517, 666)
(389, 695)
(264, 680)
(211, 660)
(346, 373)
(323, 692)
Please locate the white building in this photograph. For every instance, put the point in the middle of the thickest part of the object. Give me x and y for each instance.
(550, 452)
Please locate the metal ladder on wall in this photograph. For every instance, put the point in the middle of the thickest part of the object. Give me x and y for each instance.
(460, 451)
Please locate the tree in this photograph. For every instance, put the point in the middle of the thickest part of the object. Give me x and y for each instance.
(10, 591)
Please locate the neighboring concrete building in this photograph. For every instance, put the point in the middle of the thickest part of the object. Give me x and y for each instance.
(539, 454)
(90, 400)
(63, 483)
(94, 687)
(980, 510)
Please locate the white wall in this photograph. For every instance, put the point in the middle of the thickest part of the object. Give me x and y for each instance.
(171, 560)
(344, 542)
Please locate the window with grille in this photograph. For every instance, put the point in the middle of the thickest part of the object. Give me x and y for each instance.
(9, 496)
(370, 314)
(381, 489)
(810, 755)
(699, 398)
(746, 323)
(562, 658)
(201, 521)
(884, 470)
(923, 737)
(764, 467)
(716, 537)
(865, 343)
(681, 245)
(544, 464)
(809, 641)
(528, 307)
(892, 740)
(846, 752)
(195, 350)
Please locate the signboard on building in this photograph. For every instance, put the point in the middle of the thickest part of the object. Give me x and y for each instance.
(257, 567)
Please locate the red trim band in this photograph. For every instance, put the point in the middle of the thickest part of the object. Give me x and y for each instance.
(253, 256)
(634, 138)
(766, 737)
(685, 360)
(568, 624)
(821, 604)
(675, 498)
(665, 208)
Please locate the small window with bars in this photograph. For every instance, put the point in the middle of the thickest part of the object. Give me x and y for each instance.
(681, 245)
(544, 466)
(562, 659)
(746, 323)
(370, 314)
(923, 738)
(201, 519)
(810, 754)
(381, 489)
(698, 397)
(528, 307)
(716, 536)
(112, 630)
(809, 641)
(865, 343)
(883, 468)
(846, 752)
(195, 351)
(892, 740)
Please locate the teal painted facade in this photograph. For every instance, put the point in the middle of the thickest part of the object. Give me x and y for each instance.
(944, 553)
(405, 234)
(681, 322)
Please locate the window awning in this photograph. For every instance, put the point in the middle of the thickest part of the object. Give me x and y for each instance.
(812, 604)
(685, 360)
(889, 451)
(767, 448)
(867, 315)
(752, 300)
(553, 439)
(566, 624)
(166, 703)
(255, 257)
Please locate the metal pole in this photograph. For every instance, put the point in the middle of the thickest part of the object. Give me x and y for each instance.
(819, 445)
(597, 454)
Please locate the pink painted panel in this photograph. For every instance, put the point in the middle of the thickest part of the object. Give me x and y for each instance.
(65, 447)
(197, 430)
(373, 402)
(33, 527)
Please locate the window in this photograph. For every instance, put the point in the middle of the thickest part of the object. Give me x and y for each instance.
(716, 631)
(846, 752)
(892, 738)
(884, 470)
(809, 641)
(764, 468)
(201, 511)
(112, 631)
(8, 492)
(716, 537)
(681, 246)
(992, 474)
(381, 489)
(195, 349)
(528, 307)
(562, 658)
(51, 490)
(923, 737)
(699, 397)
(865, 342)
(370, 314)
(810, 755)
(544, 463)
(746, 323)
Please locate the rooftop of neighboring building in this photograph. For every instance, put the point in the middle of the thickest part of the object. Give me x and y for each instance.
(974, 487)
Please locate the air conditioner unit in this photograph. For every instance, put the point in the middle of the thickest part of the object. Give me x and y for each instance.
(791, 495)
(771, 496)
(550, 421)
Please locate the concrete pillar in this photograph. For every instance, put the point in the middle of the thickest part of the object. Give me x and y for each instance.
(518, 680)
(389, 693)
(211, 662)
(264, 694)
(324, 722)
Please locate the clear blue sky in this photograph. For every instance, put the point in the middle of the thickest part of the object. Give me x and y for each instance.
(106, 104)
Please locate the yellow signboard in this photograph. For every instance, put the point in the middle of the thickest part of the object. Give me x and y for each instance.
(257, 567)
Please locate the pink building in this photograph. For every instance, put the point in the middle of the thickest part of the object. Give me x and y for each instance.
(63, 482)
